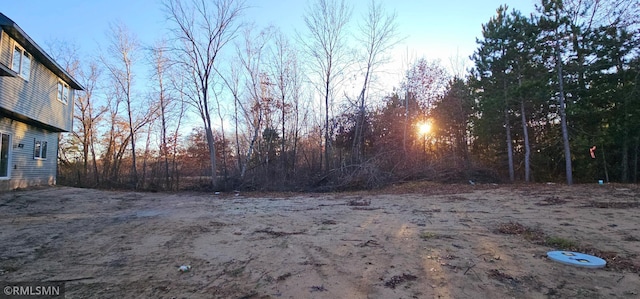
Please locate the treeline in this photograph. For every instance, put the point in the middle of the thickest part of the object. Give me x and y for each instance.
(269, 111)
(555, 87)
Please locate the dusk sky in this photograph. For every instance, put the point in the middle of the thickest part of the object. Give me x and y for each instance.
(433, 29)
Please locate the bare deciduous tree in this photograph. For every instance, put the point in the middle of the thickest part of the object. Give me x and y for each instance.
(203, 28)
(161, 63)
(256, 84)
(177, 86)
(326, 22)
(87, 116)
(285, 71)
(232, 82)
(114, 142)
(378, 34)
(123, 47)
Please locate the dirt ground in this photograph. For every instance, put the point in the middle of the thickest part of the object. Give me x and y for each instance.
(409, 241)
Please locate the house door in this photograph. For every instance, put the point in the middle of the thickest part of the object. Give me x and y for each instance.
(5, 146)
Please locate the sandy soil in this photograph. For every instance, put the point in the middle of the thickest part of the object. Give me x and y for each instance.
(410, 241)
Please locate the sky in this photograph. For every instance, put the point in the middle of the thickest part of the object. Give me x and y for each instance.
(433, 29)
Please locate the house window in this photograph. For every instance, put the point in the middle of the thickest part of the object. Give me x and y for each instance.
(63, 92)
(21, 63)
(39, 149)
(4, 155)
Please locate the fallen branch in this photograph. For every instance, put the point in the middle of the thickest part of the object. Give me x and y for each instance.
(70, 279)
(279, 234)
(469, 268)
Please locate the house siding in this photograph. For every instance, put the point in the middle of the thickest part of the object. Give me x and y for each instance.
(25, 170)
(5, 56)
(30, 111)
(36, 98)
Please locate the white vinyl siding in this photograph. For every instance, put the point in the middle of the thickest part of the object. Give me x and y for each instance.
(37, 98)
(24, 170)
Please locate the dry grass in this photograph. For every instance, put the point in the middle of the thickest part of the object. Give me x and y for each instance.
(614, 261)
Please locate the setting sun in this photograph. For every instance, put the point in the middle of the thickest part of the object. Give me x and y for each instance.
(424, 128)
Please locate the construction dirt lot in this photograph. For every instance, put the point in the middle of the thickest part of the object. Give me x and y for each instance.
(416, 240)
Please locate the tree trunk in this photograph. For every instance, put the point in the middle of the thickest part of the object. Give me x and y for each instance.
(85, 150)
(604, 162)
(624, 176)
(132, 138)
(164, 146)
(625, 125)
(507, 126)
(406, 122)
(165, 154)
(527, 147)
(358, 139)
(212, 152)
(294, 153)
(327, 164)
(176, 173)
(237, 135)
(256, 131)
(283, 153)
(563, 117)
(93, 157)
(224, 142)
(145, 158)
(525, 136)
(636, 147)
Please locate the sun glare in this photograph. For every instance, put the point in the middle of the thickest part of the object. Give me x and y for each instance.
(424, 128)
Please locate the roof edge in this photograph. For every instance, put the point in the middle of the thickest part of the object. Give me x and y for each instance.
(34, 49)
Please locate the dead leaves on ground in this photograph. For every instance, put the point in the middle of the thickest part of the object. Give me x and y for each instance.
(550, 201)
(394, 281)
(614, 261)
